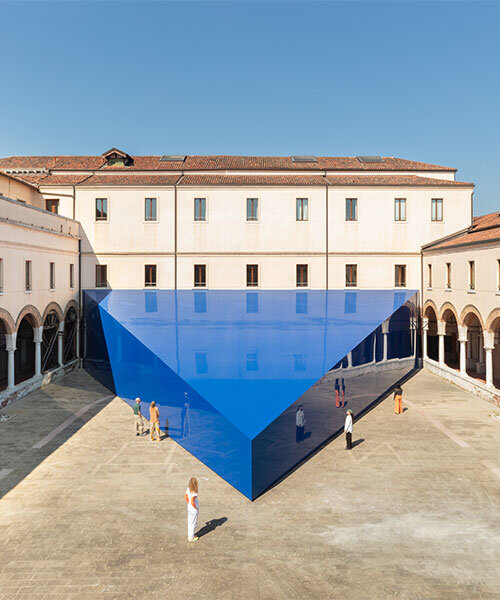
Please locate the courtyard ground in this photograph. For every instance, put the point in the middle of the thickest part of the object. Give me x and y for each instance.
(89, 511)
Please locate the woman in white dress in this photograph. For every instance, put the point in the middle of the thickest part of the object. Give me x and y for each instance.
(193, 507)
(348, 430)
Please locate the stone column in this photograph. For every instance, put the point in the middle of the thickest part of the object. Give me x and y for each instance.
(10, 346)
(77, 338)
(385, 333)
(441, 325)
(413, 334)
(374, 360)
(349, 360)
(462, 338)
(37, 338)
(60, 336)
(489, 345)
(425, 329)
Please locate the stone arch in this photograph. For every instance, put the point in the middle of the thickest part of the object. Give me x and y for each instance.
(447, 306)
(430, 304)
(33, 315)
(470, 309)
(8, 321)
(71, 304)
(53, 306)
(492, 317)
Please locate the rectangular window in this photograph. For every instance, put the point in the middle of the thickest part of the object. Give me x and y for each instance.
(299, 361)
(200, 302)
(302, 209)
(1, 275)
(302, 280)
(101, 276)
(101, 209)
(71, 276)
(201, 361)
(448, 276)
(150, 276)
(52, 275)
(437, 209)
(150, 213)
(252, 275)
(252, 209)
(498, 274)
(301, 303)
(252, 361)
(400, 209)
(351, 209)
(472, 275)
(52, 206)
(252, 302)
(351, 275)
(200, 275)
(400, 276)
(27, 276)
(429, 276)
(200, 209)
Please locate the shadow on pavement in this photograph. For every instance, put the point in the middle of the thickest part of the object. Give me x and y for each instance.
(210, 526)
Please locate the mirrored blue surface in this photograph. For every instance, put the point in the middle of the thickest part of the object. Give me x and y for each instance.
(229, 369)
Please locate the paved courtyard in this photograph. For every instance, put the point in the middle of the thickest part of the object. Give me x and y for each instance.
(88, 510)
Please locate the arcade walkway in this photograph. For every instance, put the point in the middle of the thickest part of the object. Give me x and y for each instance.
(89, 511)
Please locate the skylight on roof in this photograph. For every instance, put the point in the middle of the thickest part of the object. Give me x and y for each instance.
(173, 158)
(370, 159)
(304, 159)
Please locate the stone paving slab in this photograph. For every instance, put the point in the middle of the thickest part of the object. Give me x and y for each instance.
(413, 512)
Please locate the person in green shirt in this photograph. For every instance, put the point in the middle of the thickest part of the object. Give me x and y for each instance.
(139, 423)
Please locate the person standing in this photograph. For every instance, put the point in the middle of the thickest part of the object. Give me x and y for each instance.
(193, 508)
(398, 400)
(139, 423)
(348, 430)
(154, 417)
(300, 424)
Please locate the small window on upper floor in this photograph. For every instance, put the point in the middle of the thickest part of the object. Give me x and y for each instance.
(52, 206)
(27, 276)
(150, 279)
(436, 209)
(429, 276)
(52, 275)
(252, 275)
(71, 275)
(252, 209)
(472, 275)
(200, 275)
(351, 209)
(351, 275)
(101, 209)
(400, 209)
(1, 275)
(302, 275)
(200, 209)
(150, 212)
(302, 209)
(101, 276)
(400, 276)
(448, 276)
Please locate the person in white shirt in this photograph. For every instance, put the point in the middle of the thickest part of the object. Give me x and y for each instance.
(300, 424)
(348, 430)
(191, 497)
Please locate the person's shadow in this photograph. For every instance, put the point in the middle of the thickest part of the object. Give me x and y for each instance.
(358, 442)
(210, 526)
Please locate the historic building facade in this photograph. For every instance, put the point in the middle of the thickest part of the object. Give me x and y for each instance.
(461, 307)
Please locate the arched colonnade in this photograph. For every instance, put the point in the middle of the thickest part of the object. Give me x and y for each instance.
(35, 343)
(463, 341)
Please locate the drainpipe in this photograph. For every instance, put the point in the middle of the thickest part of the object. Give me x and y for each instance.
(326, 217)
(80, 319)
(175, 236)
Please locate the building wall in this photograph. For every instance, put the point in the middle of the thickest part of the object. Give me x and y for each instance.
(11, 188)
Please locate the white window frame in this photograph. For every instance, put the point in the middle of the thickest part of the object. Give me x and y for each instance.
(405, 220)
(108, 204)
(441, 220)
(206, 209)
(296, 210)
(148, 221)
(257, 220)
(357, 210)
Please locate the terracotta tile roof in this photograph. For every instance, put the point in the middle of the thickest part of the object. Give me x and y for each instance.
(69, 179)
(20, 179)
(485, 228)
(394, 180)
(102, 179)
(204, 180)
(220, 162)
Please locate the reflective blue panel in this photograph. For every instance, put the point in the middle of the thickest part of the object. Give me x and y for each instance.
(245, 359)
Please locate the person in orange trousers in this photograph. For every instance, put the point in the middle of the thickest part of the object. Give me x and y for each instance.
(398, 400)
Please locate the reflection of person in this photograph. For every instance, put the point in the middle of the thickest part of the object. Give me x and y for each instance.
(398, 400)
(337, 393)
(348, 430)
(185, 429)
(300, 423)
(343, 392)
(193, 507)
(154, 417)
(139, 423)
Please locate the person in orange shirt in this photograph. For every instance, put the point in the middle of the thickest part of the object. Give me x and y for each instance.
(154, 417)
(191, 497)
(398, 400)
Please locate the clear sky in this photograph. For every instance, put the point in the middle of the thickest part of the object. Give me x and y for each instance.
(417, 80)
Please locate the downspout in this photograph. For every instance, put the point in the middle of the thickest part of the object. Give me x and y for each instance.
(326, 233)
(175, 236)
(421, 302)
(74, 203)
(80, 320)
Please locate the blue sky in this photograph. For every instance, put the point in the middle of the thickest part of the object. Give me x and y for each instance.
(417, 80)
